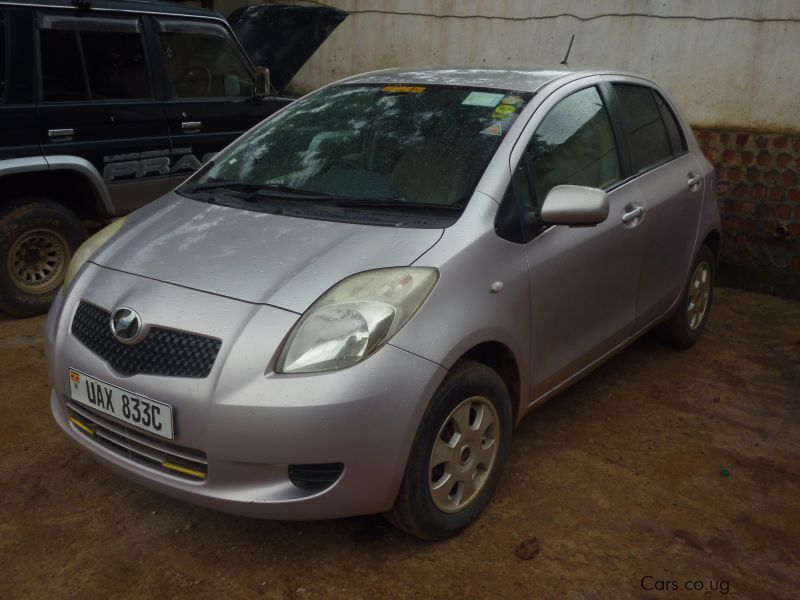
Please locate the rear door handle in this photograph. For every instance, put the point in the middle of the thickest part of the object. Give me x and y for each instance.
(694, 181)
(632, 215)
(191, 125)
(60, 134)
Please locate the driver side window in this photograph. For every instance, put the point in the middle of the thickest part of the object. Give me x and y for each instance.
(574, 145)
(201, 62)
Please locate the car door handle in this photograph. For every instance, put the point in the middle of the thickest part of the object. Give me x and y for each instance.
(694, 181)
(56, 134)
(191, 125)
(632, 215)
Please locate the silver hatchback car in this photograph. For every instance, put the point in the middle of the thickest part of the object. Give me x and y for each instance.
(348, 310)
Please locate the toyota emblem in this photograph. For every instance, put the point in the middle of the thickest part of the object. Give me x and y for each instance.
(126, 325)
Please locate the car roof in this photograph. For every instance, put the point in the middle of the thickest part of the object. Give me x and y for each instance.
(137, 6)
(518, 79)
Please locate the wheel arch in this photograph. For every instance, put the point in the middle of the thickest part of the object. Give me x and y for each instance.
(713, 240)
(68, 180)
(500, 358)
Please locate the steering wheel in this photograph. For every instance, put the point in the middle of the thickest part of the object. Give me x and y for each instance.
(193, 81)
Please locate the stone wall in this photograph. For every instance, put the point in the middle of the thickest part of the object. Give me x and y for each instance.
(759, 198)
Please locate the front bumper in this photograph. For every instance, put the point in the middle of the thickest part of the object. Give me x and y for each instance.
(250, 422)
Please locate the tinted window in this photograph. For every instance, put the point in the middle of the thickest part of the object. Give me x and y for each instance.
(574, 145)
(676, 141)
(643, 124)
(202, 63)
(115, 64)
(62, 72)
(2, 55)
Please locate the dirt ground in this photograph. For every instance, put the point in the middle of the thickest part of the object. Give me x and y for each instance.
(619, 479)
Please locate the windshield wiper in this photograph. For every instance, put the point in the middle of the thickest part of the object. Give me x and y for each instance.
(255, 189)
(389, 203)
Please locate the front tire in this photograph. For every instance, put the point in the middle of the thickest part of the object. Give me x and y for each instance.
(37, 240)
(686, 325)
(458, 455)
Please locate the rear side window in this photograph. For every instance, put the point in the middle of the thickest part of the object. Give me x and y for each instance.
(201, 61)
(2, 55)
(115, 64)
(574, 145)
(62, 72)
(92, 58)
(676, 141)
(645, 129)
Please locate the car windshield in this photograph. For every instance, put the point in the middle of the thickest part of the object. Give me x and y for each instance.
(369, 146)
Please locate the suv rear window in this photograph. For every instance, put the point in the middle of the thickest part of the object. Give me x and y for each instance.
(92, 58)
(646, 130)
(62, 73)
(2, 55)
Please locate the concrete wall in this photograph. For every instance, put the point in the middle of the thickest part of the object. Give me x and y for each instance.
(728, 63)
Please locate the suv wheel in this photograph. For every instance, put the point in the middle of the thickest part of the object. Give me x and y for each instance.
(37, 239)
(458, 455)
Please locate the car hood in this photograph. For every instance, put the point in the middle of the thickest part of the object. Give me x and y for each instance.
(257, 257)
(283, 37)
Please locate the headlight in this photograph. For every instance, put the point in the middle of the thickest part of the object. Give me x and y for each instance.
(89, 247)
(354, 318)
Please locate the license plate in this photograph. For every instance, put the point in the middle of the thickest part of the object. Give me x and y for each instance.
(134, 409)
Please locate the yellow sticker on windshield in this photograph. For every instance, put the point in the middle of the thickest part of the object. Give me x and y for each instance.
(503, 110)
(404, 89)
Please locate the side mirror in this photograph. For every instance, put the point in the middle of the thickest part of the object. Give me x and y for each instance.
(262, 82)
(575, 205)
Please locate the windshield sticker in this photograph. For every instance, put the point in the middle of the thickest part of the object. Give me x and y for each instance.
(404, 89)
(495, 129)
(483, 99)
(503, 110)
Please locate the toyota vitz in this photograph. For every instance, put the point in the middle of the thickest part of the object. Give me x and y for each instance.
(350, 307)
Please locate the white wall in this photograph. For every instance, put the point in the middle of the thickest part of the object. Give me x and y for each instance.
(728, 63)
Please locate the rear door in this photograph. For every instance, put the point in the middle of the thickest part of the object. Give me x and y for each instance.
(583, 280)
(668, 177)
(97, 102)
(209, 87)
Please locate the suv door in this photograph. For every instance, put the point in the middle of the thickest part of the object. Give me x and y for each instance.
(583, 280)
(97, 102)
(668, 176)
(210, 90)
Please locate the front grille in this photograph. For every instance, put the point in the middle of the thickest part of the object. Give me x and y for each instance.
(160, 352)
(151, 451)
(315, 477)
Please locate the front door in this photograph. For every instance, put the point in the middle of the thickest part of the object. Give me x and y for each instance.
(97, 103)
(210, 91)
(583, 280)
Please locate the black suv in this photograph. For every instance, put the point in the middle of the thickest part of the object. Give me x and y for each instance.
(106, 106)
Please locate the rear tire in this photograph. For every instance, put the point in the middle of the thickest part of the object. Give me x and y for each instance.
(37, 240)
(686, 325)
(458, 454)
